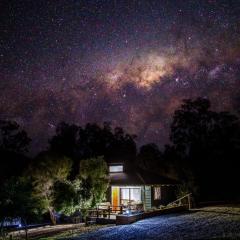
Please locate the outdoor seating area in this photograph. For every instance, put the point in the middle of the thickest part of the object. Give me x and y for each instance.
(126, 214)
(107, 211)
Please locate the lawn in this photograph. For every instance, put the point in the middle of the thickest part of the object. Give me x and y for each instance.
(71, 233)
(56, 232)
(205, 223)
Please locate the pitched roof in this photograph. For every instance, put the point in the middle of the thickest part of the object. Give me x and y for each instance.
(125, 179)
(139, 177)
(151, 178)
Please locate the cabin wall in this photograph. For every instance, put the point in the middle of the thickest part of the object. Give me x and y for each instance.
(168, 194)
(148, 197)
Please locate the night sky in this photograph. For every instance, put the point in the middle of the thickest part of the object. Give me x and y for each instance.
(127, 62)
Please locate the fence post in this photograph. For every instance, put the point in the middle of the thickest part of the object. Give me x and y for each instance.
(189, 201)
(97, 212)
(109, 210)
(121, 209)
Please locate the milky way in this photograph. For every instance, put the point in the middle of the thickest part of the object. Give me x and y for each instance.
(127, 62)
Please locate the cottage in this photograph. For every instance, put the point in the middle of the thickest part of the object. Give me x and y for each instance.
(132, 186)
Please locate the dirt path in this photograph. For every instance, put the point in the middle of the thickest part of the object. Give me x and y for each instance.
(48, 231)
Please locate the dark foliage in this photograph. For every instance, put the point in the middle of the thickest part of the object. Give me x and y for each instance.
(86, 186)
(93, 141)
(17, 200)
(206, 148)
(65, 197)
(12, 138)
(14, 143)
(150, 156)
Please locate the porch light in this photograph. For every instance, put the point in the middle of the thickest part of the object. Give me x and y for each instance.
(128, 211)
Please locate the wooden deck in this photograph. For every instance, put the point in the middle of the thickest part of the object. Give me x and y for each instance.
(128, 218)
(131, 218)
(131, 213)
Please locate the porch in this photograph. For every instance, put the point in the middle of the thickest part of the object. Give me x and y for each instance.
(106, 213)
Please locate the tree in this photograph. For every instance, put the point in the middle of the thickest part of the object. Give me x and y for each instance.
(92, 141)
(94, 181)
(65, 141)
(12, 138)
(149, 156)
(122, 147)
(207, 145)
(14, 144)
(66, 196)
(17, 200)
(46, 171)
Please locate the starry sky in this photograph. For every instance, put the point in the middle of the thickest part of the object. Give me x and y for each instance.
(128, 62)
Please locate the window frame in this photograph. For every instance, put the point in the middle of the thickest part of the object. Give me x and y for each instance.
(130, 193)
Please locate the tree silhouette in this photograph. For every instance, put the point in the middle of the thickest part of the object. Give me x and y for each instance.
(17, 200)
(65, 141)
(207, 146)
(12, 138)
(149, 156)
(92, 141)
(14, 144)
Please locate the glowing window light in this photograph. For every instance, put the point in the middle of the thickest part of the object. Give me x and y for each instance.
(115, 168)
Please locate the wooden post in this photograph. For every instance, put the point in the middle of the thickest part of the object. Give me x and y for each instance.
(121, 209)
(109, 210)
(189, 201)
(144, 198)
(26, 229)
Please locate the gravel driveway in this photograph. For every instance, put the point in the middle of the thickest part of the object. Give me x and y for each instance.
(204, 223)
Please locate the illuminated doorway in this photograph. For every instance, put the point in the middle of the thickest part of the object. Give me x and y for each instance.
(115, 197)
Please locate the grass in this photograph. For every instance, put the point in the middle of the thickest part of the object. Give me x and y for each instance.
(54, 232)
(221, 222)
(72, 233)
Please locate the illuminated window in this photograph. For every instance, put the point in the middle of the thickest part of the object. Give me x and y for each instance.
(116, 168)
(130, 195)
(157, 193)
(135, 194)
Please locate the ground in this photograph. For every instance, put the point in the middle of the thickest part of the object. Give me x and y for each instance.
(55, 232)
(204, 223)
